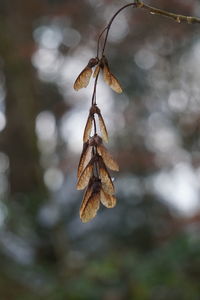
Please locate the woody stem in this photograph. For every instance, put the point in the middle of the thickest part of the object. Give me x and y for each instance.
(94, 91)
(109, 25)
(94, 150)
(154, 11)
(95, 126)
(98, 41)
(176, 17)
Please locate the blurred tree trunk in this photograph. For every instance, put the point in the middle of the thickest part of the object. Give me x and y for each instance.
(19, 139)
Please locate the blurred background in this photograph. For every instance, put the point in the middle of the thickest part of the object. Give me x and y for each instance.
(148, 246)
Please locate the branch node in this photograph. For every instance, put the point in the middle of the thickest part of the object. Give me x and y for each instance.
(178, 19)
(139, 4)
(189, 20)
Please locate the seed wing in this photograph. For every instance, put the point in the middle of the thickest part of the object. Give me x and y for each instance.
(83, 79)
(107, 200)
(107, 74)
(115, 85)
(86, 196)
(103, 128)
(107, 158)
(86, 156)
(106, 179)
(87, 130)
(85, 176)
(96, 71)
(90, 207)
(109, 78)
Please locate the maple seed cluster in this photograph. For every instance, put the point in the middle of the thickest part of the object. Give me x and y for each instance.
(95, 159)
(83, 79)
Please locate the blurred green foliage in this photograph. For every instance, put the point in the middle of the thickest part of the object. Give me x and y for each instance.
(170, 271)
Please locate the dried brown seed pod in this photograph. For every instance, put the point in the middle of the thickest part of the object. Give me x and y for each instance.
(108, 188)
(105, 178)
(86, 156)
(93, 62)
(96, 71)
(115, 85)
(95, 140)
(95, 110)
(89, 211)
(85, 175)
(107, 158)
(91, 200)
(88, 129)
(83, 78)
(107, 74)
(107, 200)
(87, 195)
(109, 78)
(103, 128)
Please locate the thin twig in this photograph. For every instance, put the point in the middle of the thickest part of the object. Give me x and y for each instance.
(154, 11)
(94, 91)
(94, 101)
(178, 18)
(110, 23)
(99, 38)
(95, 126)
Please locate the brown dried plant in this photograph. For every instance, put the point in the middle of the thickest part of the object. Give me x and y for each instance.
(95, 159)
(93, 167)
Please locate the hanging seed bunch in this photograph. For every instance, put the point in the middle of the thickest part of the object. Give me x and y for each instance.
(93, 174)
(95, 160)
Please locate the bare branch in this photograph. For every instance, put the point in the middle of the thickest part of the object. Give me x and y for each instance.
(176, 17)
